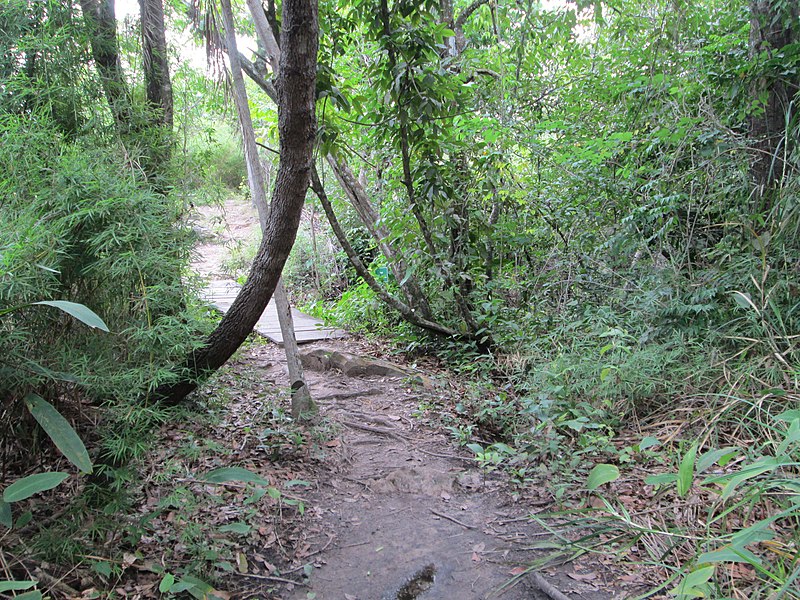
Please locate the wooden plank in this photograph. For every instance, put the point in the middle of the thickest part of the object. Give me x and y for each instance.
(221, 293)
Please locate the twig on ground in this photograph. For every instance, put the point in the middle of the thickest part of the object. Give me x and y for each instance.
(547, 587)
(378, 430)
(442, 455)
(274, 578)
(453, 519)
(346, 395)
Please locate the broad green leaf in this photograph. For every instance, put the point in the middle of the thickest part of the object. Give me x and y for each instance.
(789, 415)
(237, 527)
(661, 479)
(648, 442)
(274, 493)
(60, 431)
(743, 300)
(23, 519)
(33, 484)
(6, 518)
(729, 554)
(83, 313)
(758, 532)
(55, 375)
(756, 468)
(15, 586)
(32, 595)
(166, 583)
(792, 436)
(601, 474)
(102, 567)
(233, 474)
(686, 471)
(476, 448)
(712, 456)
(694, 585)
(196, 587)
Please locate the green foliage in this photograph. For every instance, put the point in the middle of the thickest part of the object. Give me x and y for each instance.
(358, 310)
(211, 163)
(32, 484)
(60, 431)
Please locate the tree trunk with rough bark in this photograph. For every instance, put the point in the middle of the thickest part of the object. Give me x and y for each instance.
(773, 27)
(297, 130)
(156, 61)
(302, 403)
(101, 22)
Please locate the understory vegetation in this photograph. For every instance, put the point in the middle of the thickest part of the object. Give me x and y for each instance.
(588, 212)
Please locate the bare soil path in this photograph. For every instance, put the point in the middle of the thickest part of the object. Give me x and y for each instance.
(396, 512)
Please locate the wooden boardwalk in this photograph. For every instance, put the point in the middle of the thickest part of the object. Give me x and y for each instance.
(221, 293)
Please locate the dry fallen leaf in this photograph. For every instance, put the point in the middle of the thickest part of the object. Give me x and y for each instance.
(582, 576)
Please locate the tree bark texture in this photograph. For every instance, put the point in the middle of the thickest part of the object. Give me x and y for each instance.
(101, 22)
(773, 27)
(297, 129)
(156, 61)
(302, 402)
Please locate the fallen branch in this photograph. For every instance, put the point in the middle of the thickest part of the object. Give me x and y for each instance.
(547, 587)
(346, 395)
(378, 430)
(274, 578)
(453, 519)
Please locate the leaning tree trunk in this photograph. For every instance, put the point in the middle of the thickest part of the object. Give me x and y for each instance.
(302, 403)
(297, 129)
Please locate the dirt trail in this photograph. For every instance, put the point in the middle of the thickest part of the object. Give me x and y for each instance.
(398, 513)
(401, 513)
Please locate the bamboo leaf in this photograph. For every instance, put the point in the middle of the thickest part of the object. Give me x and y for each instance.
(686, 471)
(33, 484)
(83, 313)
(60, 431)
(15, 586)
(6, 517)
(232, 474)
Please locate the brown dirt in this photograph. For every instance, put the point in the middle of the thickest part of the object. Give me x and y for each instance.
(395, 511)
(393, 497)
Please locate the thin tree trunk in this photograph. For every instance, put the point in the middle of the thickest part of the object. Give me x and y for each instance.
(156, 61)
(101, 22)
(297, 131)
(302, 403)
(264, 32)
(773, 27)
